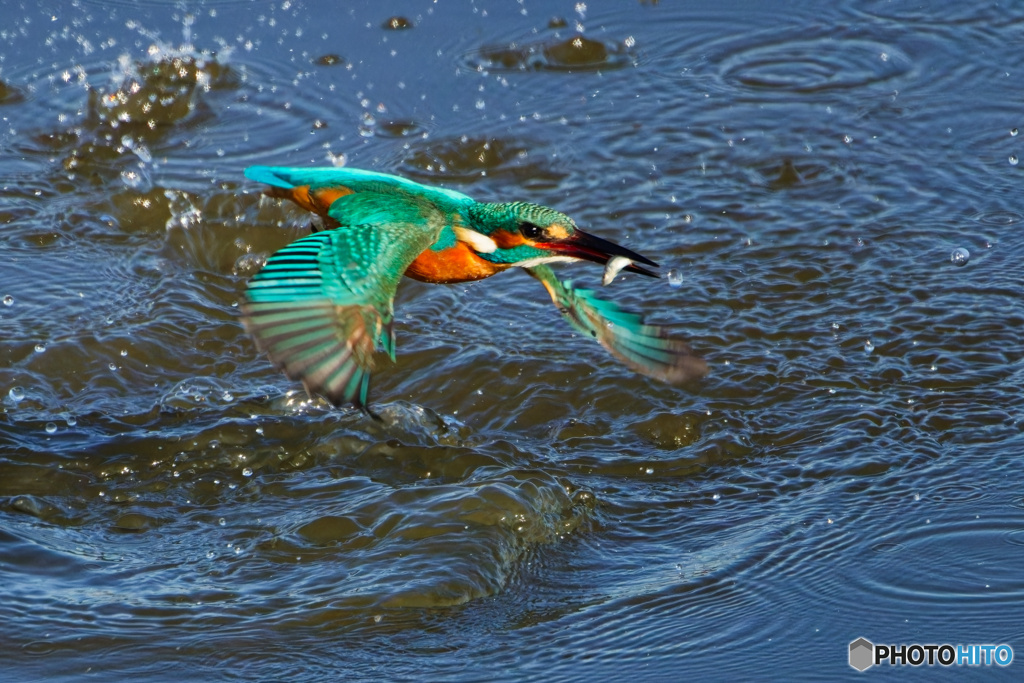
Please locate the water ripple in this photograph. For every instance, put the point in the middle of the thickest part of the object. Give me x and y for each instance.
(850, 462)
(811, 65)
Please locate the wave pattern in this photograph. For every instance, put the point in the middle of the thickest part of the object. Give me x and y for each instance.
(848, 469)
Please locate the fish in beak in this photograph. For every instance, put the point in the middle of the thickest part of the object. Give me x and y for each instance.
(583, 245)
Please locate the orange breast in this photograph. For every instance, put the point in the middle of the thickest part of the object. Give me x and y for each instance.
(457, 264)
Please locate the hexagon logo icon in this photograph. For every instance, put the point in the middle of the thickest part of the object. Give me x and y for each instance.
(862, 654)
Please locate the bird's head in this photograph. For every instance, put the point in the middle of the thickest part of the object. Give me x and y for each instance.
(525, 234)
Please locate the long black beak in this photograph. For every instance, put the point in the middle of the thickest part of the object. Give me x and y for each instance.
(583, 245)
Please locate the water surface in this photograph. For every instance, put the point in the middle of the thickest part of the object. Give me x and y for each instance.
(171, 506)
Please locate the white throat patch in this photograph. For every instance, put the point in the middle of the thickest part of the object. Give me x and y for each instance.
(478, 242)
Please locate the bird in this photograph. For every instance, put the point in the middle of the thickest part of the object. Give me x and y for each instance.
(323, 306)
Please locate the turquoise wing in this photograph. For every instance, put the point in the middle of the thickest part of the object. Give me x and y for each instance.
(354, 179)
(322, 305)
(643, 348)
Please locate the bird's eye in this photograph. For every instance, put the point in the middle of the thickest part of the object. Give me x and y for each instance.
(531, 231)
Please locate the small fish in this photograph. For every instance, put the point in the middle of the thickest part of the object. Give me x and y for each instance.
(612, 268)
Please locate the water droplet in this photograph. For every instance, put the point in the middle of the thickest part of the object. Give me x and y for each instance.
(247, 472)
(71, 420)
(1013, 132)
(1014, 160)
(131, 179)
(227, 396)
(221, 521)
(716, 496)
(960, 257)
(675, 279)
(51, 428)
(112, 366)
(40, 348)
(16, 393)
(124, 352)
(8, 300)
(868, 346)
(209, 554)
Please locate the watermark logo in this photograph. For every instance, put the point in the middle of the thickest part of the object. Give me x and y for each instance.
(864, 654)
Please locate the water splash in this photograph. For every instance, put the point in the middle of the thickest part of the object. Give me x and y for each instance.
(139, 104)
(184, 211)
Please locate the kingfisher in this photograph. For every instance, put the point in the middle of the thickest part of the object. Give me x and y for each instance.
(322, 306)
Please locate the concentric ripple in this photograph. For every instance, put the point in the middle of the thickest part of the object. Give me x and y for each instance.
(949, 562)
(918, 13)
(808, 65)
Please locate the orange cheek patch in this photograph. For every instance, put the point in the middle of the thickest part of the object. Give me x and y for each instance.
(508, 240)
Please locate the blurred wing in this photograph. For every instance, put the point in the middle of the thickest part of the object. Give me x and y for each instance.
(643, 348)
(322, 305)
